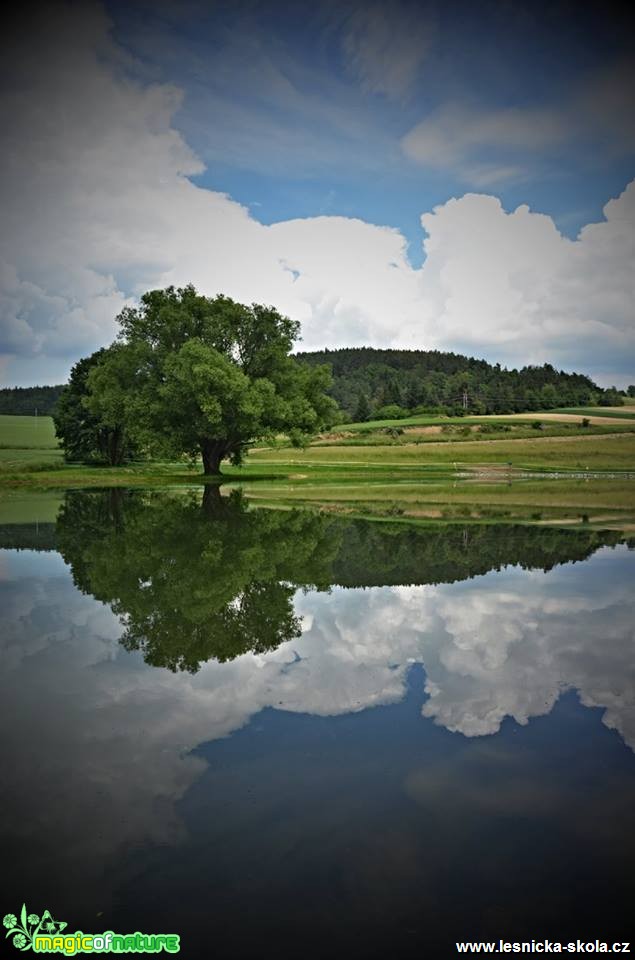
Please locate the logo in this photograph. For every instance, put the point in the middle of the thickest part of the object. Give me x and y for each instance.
(46, 935)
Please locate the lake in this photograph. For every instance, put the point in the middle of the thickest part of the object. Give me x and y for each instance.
(303, 734)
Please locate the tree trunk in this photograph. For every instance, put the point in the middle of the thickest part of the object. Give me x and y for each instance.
(116, 446)
(212, 453)
(212, 505)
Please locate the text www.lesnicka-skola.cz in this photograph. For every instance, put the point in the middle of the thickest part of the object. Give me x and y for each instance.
(544, 946)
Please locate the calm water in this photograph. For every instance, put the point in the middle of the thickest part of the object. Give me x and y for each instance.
(286, 733)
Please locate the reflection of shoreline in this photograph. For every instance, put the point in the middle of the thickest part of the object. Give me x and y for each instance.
(195, 579)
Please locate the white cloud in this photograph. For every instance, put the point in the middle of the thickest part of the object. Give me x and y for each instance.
(484, 146)
(455, 135)
(513, 283)
(386, 45)
(98, 207)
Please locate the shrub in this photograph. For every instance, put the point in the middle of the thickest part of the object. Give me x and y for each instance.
(392, 411)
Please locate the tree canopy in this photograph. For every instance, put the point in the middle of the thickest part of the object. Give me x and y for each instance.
(366, 381)
(195, 375)
(87, 428)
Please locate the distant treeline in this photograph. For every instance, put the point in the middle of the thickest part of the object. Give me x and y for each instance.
(369, 383)
(25, 401)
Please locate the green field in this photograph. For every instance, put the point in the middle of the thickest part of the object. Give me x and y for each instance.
(28, 445)
(426, 420)
(507, 477)
(621, 413)
(593, 452)
(27, 433)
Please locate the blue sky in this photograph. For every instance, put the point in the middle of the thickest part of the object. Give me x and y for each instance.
(338, 125)
(301, 109)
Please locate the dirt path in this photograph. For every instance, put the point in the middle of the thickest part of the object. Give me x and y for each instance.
(593, 437)
(563, 418)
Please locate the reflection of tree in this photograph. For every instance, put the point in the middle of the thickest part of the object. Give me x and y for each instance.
(193, 581)
(196, 578)
(374, 554)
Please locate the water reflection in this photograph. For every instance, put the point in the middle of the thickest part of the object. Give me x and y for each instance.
(196, 580)
(280, 630)
(191, 580)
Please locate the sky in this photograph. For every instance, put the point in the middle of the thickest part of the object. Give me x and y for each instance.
(425, 175)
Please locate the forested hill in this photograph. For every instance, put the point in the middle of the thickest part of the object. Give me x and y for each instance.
(25, 401)
(367, 382)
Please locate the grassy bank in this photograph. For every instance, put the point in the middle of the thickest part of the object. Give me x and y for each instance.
(593, 452)
(448, 478)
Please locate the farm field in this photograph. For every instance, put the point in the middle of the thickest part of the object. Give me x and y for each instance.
(560, 414)
(29, 433)
(507, 477)
(592, 452)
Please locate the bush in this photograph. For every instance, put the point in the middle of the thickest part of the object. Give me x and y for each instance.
(538, 425)
(392, 411)
(495, 427)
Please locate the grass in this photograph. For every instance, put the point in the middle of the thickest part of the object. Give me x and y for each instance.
(492, 430)
(595, 452)
(621, 413)
(504, 478)
(27, 433)
(427, 420)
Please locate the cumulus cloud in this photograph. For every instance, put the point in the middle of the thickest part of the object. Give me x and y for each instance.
(99, 205)
(513, 282)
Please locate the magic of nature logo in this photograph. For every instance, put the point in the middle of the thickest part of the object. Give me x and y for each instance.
(43, 934)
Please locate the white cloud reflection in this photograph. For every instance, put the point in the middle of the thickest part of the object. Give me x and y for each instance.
(120, 734)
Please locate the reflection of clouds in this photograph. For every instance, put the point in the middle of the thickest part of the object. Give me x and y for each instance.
(502, 645)
(111, 738)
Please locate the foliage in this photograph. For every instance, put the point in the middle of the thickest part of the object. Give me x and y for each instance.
(25, 401)
(214, 375)
(611, 398)
(366, 380)
(89, 430)
(392, 411)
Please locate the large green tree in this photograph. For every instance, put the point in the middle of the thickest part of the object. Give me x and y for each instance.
(210, 376)
(89, 429)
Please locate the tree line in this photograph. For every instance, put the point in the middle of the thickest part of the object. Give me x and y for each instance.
(386, 384)
(29, 401)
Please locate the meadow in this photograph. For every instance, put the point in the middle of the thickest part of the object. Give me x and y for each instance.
(564, 473)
